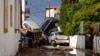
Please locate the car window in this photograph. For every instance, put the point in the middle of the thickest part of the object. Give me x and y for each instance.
(59, 33)
(51, 34)
(26, 25)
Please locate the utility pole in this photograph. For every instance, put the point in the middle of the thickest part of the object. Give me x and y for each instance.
(49, 7)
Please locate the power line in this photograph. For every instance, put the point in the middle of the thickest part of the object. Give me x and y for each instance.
(37, 12)
(34, 7)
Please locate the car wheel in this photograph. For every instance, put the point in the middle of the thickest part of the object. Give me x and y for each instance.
(53, 43)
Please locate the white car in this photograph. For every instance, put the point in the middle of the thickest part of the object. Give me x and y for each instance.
(58, 38)
(30, 24)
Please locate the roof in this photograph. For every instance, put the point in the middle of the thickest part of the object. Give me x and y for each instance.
(57, 7)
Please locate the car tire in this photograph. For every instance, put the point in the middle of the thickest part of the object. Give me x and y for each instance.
(53, 43)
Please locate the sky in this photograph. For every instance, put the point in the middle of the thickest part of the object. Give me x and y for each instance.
(37, 8)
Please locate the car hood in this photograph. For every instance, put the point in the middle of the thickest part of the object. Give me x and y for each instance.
(32, 24)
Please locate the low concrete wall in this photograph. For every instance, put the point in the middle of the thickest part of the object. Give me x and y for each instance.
(77, 41)
(77, 52)
(96, 44)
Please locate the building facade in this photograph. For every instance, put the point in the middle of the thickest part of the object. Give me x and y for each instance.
(10, 22)
(52, 11)
(25, 11)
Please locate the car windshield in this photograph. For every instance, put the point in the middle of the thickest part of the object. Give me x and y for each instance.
(26, 25)
(59, 33)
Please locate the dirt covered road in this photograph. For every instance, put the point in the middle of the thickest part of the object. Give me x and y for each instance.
(63, 51)
(36, 51)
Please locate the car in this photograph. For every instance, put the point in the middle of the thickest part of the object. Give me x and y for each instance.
(58, 38)
(30, 24)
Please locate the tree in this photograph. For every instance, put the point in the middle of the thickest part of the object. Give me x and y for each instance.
(72, 14)
(63, 20)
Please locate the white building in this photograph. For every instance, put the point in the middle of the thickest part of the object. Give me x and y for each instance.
(26, 16)
(52, 11)
(10, 21)
(25, 11)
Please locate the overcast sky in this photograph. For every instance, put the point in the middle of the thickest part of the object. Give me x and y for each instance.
(37, 8)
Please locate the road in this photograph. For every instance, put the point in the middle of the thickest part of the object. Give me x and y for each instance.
(59, 51)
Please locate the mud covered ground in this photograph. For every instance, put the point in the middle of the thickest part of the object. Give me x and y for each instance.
(38, 51)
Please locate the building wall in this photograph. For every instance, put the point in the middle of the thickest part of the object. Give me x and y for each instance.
(23, 11)
(77, 41)
(2, 49)
(54, 12)
(9, 38)
(51, 13)
(96, 44)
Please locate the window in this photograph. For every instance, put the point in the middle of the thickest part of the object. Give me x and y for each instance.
(11, 13)
(5, 16)
(15, 19)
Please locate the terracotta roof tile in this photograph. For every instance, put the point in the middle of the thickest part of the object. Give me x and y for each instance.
(53, 7)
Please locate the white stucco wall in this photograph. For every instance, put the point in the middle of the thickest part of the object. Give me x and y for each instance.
(51, 13)
(8, 41)
(96, 44)
(2, 49)
(77, 41)
(23, 10)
